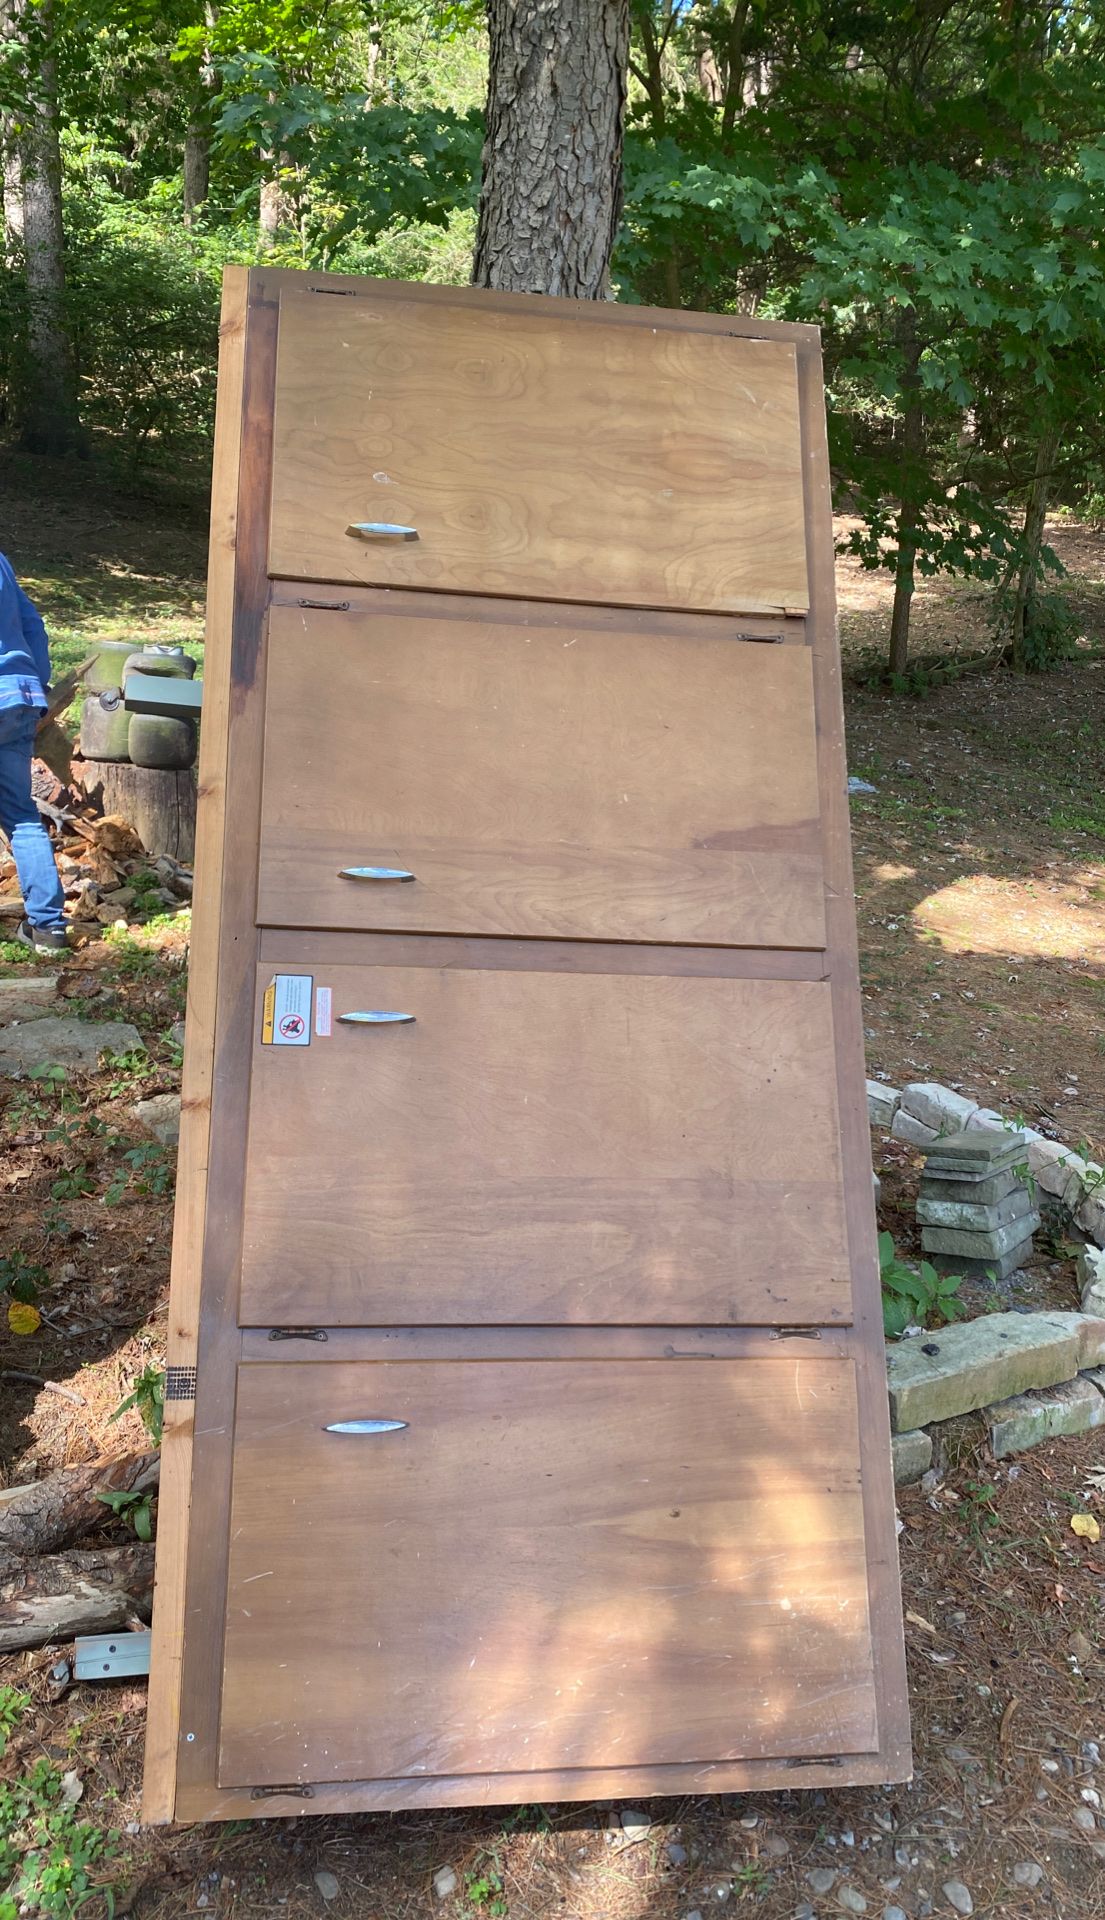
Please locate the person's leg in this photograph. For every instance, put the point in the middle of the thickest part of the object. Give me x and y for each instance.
(43, 896)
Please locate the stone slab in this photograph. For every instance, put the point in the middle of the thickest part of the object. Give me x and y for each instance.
(983, 1148)
(975, 1189)
(55, 1042)
(159, 1116)
(977, 1362)
(882, 1103)
(997, 1266)
(937, 1107)
(987, 1118)
(1075, 1406)
(981, 1189)
(912, 1455)
(976, 1244)
(1091, 1217)
(974, 1215)
(29, 996)
(1056, 1169)
(1089, 1265)
(905, 1127)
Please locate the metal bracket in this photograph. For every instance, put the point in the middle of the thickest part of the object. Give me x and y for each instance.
(180, 1383)
(275, 1793)
(795, 1333)
(298, 1333)
(111, 1656)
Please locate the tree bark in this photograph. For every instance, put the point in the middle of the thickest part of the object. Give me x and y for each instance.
(197, 139)
(53, 1512)
(49, 418)
(912, 448)
(552, 159)
(160, 804)
(69, 1593)
(1035, 513)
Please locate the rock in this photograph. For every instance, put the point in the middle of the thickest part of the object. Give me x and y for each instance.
(776, 1845)
(989, 1243)
(937, 1107)
(1084, 1820)
(1090, 1267)
(159, 1116)
(972, 1365)
(912, 1456)
(1027, 1874)
(983, 1151)
(327, 1884)
(1056, 1169)
(852, 1900)
(821, 1880)
(635, 1824)
(120, 897)
(894, 1913)
(176, 1033)
(445, 1882)
(942, 1183)
(28, 998)
(1091, 1218)
(984, 1117)
(1074, 1407)
(976, 1216)
(64, 1043)
(882, 1103)
(957, 1896)
(905, 1127)
(694, 1914)
(677, 1855)
(997, 1266)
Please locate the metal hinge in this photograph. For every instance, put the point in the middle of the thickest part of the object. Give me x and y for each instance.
(107, 1656)
(180, 1383)
(326, 606)
(298, 1333)
(815, 1760)
(795, 1333)
(340, 293)
(273, 1793)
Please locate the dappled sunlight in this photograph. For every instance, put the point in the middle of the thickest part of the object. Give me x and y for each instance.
(1061, 919)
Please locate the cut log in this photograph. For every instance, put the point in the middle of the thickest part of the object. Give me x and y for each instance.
(48, 1514)
(64, 1594)
(160, 805)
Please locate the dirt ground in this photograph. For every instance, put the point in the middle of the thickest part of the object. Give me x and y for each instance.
(980, 862)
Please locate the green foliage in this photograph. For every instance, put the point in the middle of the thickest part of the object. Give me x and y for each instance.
(21, 1278)
(51, 1863)
(148, 1395)
(147, 1171)
(915, 1297)
(135, 1507)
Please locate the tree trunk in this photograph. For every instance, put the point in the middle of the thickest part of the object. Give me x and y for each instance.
(197, 139)
(53, 1512)
(912, 447)
(552, 159)
(49, 418)
(64, 1594)
(651, 76)
(160, 804)
(1035, 513)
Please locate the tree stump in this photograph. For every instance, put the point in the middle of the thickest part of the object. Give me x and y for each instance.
(160, 805)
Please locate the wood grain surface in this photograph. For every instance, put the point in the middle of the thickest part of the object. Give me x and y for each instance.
(640, 466)
(548, 1147)
(550, 1564)
(539, 779)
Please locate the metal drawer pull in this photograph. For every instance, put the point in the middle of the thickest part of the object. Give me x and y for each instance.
(366, 1426)
(374, 873)
(376, 1019)
(380, 530)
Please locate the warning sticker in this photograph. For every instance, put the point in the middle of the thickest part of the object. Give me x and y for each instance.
(323, 999)
(286, 1011)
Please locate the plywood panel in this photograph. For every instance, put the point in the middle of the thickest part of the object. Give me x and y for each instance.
(543, 778)
(550, 1564)
(636, 465)
(544, 1147)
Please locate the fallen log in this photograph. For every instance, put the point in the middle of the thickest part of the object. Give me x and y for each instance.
(51, 1513)
(65, 1594)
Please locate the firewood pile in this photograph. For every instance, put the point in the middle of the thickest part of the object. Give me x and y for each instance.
(100, 858)
(50, 1590)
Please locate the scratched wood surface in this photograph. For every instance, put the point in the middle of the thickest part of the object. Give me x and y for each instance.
(543, 779)
(547, 1147)
(644, 466)
(550, 1563)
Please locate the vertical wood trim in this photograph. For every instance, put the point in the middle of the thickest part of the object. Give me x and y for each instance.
(867, 1339)
(159, 1782)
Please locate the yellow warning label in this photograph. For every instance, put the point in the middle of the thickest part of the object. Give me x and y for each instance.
(268, 1014)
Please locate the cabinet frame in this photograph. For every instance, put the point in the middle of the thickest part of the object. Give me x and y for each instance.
(180, 1775)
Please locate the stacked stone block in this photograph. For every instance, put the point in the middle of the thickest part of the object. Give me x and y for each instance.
(975, 1214)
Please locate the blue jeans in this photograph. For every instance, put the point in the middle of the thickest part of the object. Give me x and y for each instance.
(43, 897)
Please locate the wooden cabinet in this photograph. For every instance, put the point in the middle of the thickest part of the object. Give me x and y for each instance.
(526, 1433)
(541, 773)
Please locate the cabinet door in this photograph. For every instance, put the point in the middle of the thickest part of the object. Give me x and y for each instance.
(543, 1564)
(538, 775)
(535, 455)
(528, 1146)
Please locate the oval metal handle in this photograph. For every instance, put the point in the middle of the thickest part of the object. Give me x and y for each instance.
(374, 873)
(376, 1018)
(380, 530)
(366, 1426)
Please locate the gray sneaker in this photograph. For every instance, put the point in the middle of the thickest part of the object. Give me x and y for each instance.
(43, 939)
